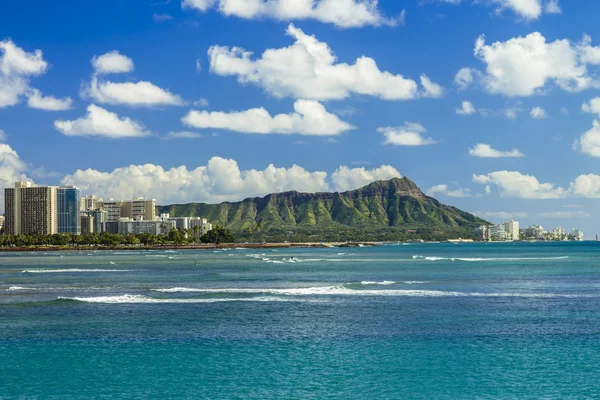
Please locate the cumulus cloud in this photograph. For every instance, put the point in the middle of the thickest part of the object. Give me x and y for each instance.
(538, 113)
(517, 185)
(138, 94)
(100, 122)
(220, 180)
(3, 136)
(132, 94)
(112, 62)
(48, 103)
(308, 69)
(589, 142)
(12, 169)
(342, 13)
(525, 9)
(445, 190)
(411, 134)
(309, 118)
(523, 66)
(464, 78)
(501, 215)
(345, 178)
(483, 150)
(592, 106)
(466, 108)
(184, 135)
(586, 186)
(17, 67)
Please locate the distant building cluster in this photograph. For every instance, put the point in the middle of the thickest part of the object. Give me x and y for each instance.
(47, 210)
(509, 231)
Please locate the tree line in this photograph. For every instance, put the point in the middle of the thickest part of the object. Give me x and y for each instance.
(175, 236)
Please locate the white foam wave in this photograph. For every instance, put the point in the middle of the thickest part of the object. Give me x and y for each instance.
(138, 299)
(344, 291)
(60, 271)
(378, 283)
(480, 259)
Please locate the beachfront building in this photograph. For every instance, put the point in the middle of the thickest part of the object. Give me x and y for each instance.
(497, 233)
(576, 235)
(558, 234)
(90, 203)
(157, 226)
(112, 208)
(534, 232)
(68, 201)
(512, 230)
(483, 232)
(1, 222)
(197, 225)
(30, 209)
(87, 224)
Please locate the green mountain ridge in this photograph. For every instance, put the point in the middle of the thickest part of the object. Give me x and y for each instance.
(395, 209)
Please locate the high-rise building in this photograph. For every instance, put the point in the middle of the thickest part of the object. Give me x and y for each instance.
(90, 203)
(68, 204)
(512, 230)
(113, 210)
(1, 222)
(87, 224)
(31, 209)
(139, 209)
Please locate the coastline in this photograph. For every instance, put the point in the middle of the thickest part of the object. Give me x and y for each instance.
(308, 245)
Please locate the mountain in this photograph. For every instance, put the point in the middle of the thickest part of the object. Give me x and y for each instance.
(384, 210)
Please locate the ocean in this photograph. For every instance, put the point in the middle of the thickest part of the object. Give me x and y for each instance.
(414, 321)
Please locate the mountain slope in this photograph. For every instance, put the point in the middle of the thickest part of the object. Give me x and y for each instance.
(382, 210)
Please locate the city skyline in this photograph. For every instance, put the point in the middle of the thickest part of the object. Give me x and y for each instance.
(158, 100)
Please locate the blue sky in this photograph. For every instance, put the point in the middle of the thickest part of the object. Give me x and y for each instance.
(361, 90)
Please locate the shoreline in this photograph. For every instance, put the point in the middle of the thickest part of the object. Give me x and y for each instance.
(192, 247)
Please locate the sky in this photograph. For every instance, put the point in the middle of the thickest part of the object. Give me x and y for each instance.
(490, 105)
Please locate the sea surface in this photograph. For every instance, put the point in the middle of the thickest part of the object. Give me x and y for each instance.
(416, 321)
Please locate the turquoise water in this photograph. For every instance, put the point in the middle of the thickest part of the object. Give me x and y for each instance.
(422, 321)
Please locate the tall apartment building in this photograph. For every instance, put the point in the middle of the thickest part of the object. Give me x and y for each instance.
(68, 204)
(87, 223)
(90, 203)
(512, 230)
(139, 209)
(113, 210)
(30, 209)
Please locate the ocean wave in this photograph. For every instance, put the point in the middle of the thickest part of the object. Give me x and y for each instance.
(479, 259)
(61, 271)
(139, 299)
(344, 290)
(378, 283)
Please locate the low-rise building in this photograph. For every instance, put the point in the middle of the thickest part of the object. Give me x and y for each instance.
(140, 226)
(196, 225)
(576, 235)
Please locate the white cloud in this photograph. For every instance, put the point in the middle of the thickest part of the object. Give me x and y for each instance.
(309, 118)
(589, 142)
(586, 186)
(483, 150)
(538, 113)
(100, 122)
(345, 178)
(592, 106)
(12, 169)
(220, 180)
(48, 103)
(198, 65)
(160, 18)
(564, 215)
(466, 108)
(139, 94)
(517, 185)
(501, 215)
(3, 136)
(184, 135)
(564, 111)
(112, 62)
(464, 78)
(202, 102)
(552, 7)
(17, 67)
(523, 66)
(431, 89)
(526, 9)
(447, 191)
(308, 69)
(411, 134)
(343, 13)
